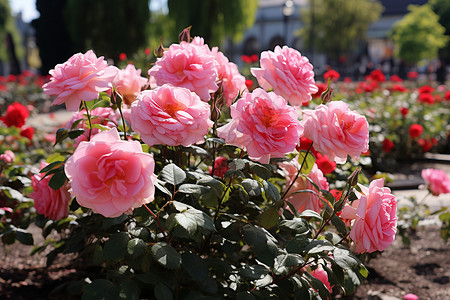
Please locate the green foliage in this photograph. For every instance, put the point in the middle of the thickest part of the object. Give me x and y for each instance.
(8, 25)
(442, 9)
(418, 35)
(334, 27)
(109, 27)
(213, 20)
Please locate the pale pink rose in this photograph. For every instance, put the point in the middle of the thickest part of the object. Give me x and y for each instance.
(375, 218)
(111, 176)
(289, 74)
(188, 65)
(81, 78)
(304, 201)
(170, 115)
(322, 275)
(336, 131)
(437, 181)
(8, 156)
(232, 81)
(264, 124)
(104, 116)
(129, 83)
(48, 202)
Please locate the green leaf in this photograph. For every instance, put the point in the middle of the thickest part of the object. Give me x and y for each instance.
(269, 218)
(271, 191)
(252, 187)
(14, 194)
(189, 188)
(162, 292)
(339, 224)
(311, 214)
(195, 266)
(216, 185)
(245, 296)
(61, 135)
(254, 272)
(129, 290)
(317, 246)
(237, 164)
(55, 157)
(298, 244)
(197, 151)
(136, 247)
(297, 225)
(52, 165)
(346, 259)
(73, 134)
(57, 181)
(173, 174)
(111, 222)
(260, 170)
(307, 159)
(288, 260)
(24, 237)
(166, 256)
(445, 217)
(262, 242)
(100, 289)
(190, 219)
(116, 247)
(159, 185)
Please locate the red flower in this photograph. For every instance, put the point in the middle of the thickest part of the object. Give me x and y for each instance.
(122, 56)
(305, 143)
(415, 130)
(16, 114)
(347, 79)
(398, 88)
(425, 144)
(3, 87)
(378, 76)
(247, 59)
(447, 95)
(322, 87)
(249, 83)
(332, 75)
(336, 194)
(426, 98)
(404, 111)
(395, 78)
(12, 78)
(27, 132)
(220, 166)
(254, 57)
(324, 163)
(147, 51)
(412, 75)
(388, 145)
(426, 89)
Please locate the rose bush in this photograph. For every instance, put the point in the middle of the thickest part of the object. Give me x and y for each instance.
(185, 198)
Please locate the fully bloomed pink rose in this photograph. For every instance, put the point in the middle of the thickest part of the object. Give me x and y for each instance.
(111, 176)
(375, 218)
(289, 74)
(337, 131)
(48, 202)
(188, 65)
(104, 116)
(304, 201)
(228, 74)
(264, 124)
(170, 115)
(129, 82)
(437, 181)
(81, 78)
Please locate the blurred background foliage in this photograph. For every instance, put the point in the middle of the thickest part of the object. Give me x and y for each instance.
(8, 32)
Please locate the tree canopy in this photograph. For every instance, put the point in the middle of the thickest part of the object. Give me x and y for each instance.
(213, 19)
(109, 27)
(8, 31)
(335, 27)
(418, 35)
(442, 9)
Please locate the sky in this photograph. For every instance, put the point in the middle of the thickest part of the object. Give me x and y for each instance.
(29, 12)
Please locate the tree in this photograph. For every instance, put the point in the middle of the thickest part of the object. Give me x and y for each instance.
(418, 35)
(109, 27)
(442, 9)
(213, 19)
(10, 40)
(52, 37)
(335, 27)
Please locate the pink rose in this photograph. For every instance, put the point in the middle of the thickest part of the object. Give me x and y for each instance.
(111, 176)
(129, 83)
(304, 201)
(81, 78)
(171, 116)
(375, 218)
(188, 65)
(322, 275)
(437, 181)
(232, 81)
(264, 124)
(289, 74)
(410, 297)
(7, 157)
(104, 116)
(336, 131)
(48, 202)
